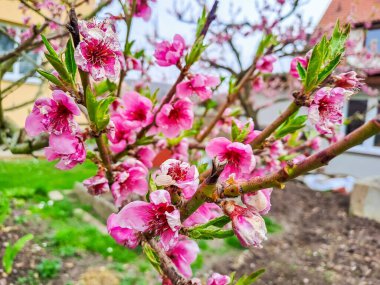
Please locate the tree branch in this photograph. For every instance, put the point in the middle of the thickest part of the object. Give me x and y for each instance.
(314, 161)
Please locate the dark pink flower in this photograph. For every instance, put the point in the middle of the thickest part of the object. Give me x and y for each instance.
(167, 53)
(97, 184)
(121, 234)
(293, 65)
(183, 254)
(66, 147)
(348, 80)
(142, 9)
(249, 227)
(181, 150)
(121, 133)
(55, 116)
(176, 117)
(259, 201)
(325, 111)
(203, 214)
(265, 63)
(218, 279)
(130, 177)
(177, 173)
(99, 52)
(258, 84)
(133, 64)
(158, 218)
(239, 157)
(146, 155)
(198, 84)
(137, 109)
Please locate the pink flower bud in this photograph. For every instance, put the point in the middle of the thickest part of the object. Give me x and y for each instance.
(249, 227)
(167, 53)
(218, 279)
(258, 201)
(348, 80)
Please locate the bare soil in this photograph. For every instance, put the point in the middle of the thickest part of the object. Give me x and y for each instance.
(320, 243)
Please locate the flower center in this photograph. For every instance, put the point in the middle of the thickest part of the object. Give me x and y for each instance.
(159, 223)
(177, 172)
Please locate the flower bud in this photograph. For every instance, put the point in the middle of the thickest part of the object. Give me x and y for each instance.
(249, 227)
(258, 201)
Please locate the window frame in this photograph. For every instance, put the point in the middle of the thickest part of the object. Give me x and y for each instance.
(15, 74)
(367, 147)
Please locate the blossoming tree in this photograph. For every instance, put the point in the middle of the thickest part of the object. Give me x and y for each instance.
(164, 208)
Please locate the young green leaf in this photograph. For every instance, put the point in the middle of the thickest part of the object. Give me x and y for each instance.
(248, 280)
(50, 77)
(49, 47)
(301, 71)
(59, 67)
(234, 131)
(71, 66)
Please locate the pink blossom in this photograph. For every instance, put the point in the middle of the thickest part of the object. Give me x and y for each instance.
(177, 173)
(239, 157)
(181, 150)
(97, 184)
(167, 53)
(293, 65)
(173, 118)
(265, 63)
(258, 84)
(55, 116)
(218, 279)
(133, 64)
(146, 155)
(121, 234)
(259, 201)
(203, 214)
(99, 52)
(137, 109)
(142, 10)
(158, 218)
(183, 253)
(347, 80)
(325, 111)
(130, 177)
(198, 84)
(120, 133)
(249, 227)
(66, 147)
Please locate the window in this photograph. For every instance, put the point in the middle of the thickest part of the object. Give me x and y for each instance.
(25, 64)
(372, 42)
(361, 110)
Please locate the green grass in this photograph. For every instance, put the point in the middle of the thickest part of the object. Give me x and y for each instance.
(41, 174)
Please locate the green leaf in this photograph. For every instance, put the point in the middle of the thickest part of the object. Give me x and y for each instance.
(301, 71)
(248, 280)
(11, 252)
(201, 22)
(104, 86)
(271, 225)
(234, 131)
(329, 68)
(210, 232)
(49, 47)
(218, 222)
(267, 41)
(5, 208)
(210, 104)
(152, 257)
(59, 67)
(145, 140)
(50, 77)
(196, 51)
(91, 104)
(70, 60)
(292, 124)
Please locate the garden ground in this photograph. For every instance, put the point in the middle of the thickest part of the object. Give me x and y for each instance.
(319, 242)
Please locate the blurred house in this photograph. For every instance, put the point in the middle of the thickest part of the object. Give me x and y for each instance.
(362, 160)
(11, 18)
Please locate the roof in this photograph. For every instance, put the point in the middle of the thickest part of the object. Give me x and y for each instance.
(355, 11)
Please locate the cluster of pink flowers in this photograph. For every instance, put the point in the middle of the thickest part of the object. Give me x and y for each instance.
(167, 53)
(55, 116)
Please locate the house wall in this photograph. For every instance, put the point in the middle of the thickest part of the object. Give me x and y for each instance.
(11, 15)
(350, 163)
